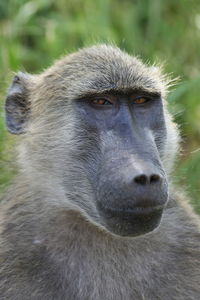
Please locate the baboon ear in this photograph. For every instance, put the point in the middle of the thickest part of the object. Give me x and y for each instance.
(17, 105)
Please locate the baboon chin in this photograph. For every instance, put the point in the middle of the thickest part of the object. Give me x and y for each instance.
(132, 222)
(95, 158)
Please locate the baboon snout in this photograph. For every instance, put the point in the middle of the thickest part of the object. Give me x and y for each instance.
(132, 190)
(131, 201)
(147, 187)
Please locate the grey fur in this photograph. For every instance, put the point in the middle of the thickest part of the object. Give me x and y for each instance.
(53, 245)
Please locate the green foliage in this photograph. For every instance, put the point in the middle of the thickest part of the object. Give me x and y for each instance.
(34, 33)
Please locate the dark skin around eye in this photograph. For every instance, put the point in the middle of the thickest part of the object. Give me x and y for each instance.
(102, 101)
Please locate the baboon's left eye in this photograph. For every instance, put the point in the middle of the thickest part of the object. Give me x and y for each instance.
(140, 100)
(101, 102)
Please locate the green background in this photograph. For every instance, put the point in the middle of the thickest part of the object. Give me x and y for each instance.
(34, 33)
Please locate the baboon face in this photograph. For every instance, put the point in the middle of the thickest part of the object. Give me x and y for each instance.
(125, 170)
(96, 127)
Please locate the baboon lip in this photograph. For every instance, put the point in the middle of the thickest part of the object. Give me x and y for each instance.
(129, 211)
(136, 210)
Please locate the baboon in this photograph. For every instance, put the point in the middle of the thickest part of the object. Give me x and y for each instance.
(93, 213)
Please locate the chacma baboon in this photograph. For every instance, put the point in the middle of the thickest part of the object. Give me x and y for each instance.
(92, 214)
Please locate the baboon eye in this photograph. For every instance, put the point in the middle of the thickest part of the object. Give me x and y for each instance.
(140, 100)
(101, 102)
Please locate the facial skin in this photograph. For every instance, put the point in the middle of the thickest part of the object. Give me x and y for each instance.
(127, 177)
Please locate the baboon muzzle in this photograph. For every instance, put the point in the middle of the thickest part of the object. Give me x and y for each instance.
(132, 199)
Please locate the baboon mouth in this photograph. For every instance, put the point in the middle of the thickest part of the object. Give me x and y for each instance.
(132, 210)
(132, 222)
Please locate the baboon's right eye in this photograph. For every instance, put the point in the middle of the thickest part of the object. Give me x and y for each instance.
(100, 101)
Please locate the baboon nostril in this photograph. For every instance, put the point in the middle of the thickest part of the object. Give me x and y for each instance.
(144, 179)
(141, 179)
(154, 178)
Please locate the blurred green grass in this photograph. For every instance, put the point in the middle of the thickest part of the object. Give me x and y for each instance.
(34, 33)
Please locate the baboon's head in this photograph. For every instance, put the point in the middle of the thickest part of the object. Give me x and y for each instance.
(97, 137)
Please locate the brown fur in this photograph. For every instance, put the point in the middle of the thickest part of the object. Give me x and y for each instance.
(51, 247)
